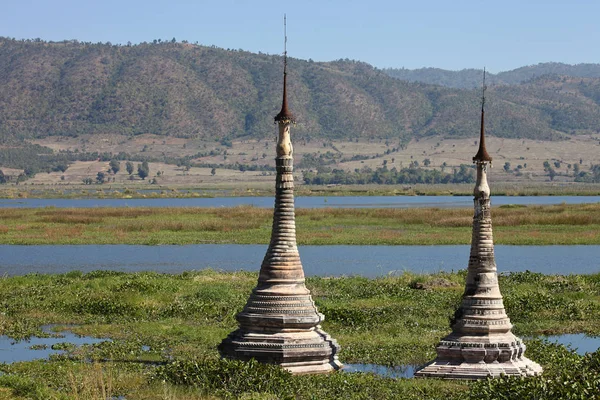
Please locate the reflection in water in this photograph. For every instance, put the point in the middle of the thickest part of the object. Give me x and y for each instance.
(577, 341)
(398, 371)
(38, 348)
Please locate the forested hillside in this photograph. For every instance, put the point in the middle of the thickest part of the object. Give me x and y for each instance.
(471, 78)
(184, 90)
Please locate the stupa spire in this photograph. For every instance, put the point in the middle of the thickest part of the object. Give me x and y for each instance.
(284, 114)
(481, 343)
(280, 323)
(482, 154)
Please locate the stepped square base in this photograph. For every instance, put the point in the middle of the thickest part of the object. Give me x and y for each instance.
(298, 352)
(468, 360)
(448, 370)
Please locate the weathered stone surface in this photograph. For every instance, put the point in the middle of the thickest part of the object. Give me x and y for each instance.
(280, 323)
(481, 343)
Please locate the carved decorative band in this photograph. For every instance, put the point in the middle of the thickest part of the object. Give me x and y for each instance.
(466, 345)
(284, 162)
(281, 345)
(281, 298)
(479, 311)
(482, 322)
(277, 311)
(281, 304)
(481, 302)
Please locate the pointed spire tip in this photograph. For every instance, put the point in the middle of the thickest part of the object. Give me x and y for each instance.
(284, 114)
(482, 154)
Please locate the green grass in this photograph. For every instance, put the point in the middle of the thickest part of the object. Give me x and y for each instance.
(392, 320)
(523, 225)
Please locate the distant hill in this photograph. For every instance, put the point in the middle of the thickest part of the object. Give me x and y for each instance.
(471, 78)
(180, 89)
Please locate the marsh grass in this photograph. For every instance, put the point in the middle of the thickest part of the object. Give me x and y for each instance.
(527, 225)
(392, 320)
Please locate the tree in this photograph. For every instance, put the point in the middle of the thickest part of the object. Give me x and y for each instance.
(100, 177)
(62, 167)
(426, 162)
(507, 166)
(143, 170)
(30, 171)
(557, 164)
(551, 173)
(129, 167)
(213, 171)
(2, 177)
(546, 165)
(115, 166)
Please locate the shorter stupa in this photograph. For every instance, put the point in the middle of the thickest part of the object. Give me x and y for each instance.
(280, 323)
(481, 344)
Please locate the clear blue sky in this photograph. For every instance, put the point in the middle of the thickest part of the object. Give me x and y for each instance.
(449, 34)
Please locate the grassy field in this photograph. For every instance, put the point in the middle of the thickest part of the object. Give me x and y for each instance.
(516, 225)
(181, 318)
(530, 154)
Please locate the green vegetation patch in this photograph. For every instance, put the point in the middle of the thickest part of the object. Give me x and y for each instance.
(528, 225)
(165, 329)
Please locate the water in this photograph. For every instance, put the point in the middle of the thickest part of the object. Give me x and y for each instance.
(398, 371)
(301, 202)
(578, 341)
(368, 261)
(41, 348)
(38, 348)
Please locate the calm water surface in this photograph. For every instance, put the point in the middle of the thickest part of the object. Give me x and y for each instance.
(38, 348)
(17, 351)
(369, 261)
(301, 202)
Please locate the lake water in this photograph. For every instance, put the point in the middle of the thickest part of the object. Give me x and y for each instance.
(301, 202)
(369, 261)
(39, 348)
(36, 348)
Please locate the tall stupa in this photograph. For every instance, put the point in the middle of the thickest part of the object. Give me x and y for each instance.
(481, 344)
(280, 323)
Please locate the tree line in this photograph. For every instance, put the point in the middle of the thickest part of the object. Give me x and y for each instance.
(383, 175)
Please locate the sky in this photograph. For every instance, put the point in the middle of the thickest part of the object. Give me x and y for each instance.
(448, 34)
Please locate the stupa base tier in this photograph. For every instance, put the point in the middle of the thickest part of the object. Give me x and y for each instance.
(469, 360)
(482, 370)
(299, 352)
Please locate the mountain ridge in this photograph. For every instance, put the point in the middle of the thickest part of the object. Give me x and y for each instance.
(184, 90)
(470, 78)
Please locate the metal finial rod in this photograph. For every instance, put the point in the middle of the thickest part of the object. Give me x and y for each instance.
(284, 42)
(483, 91)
